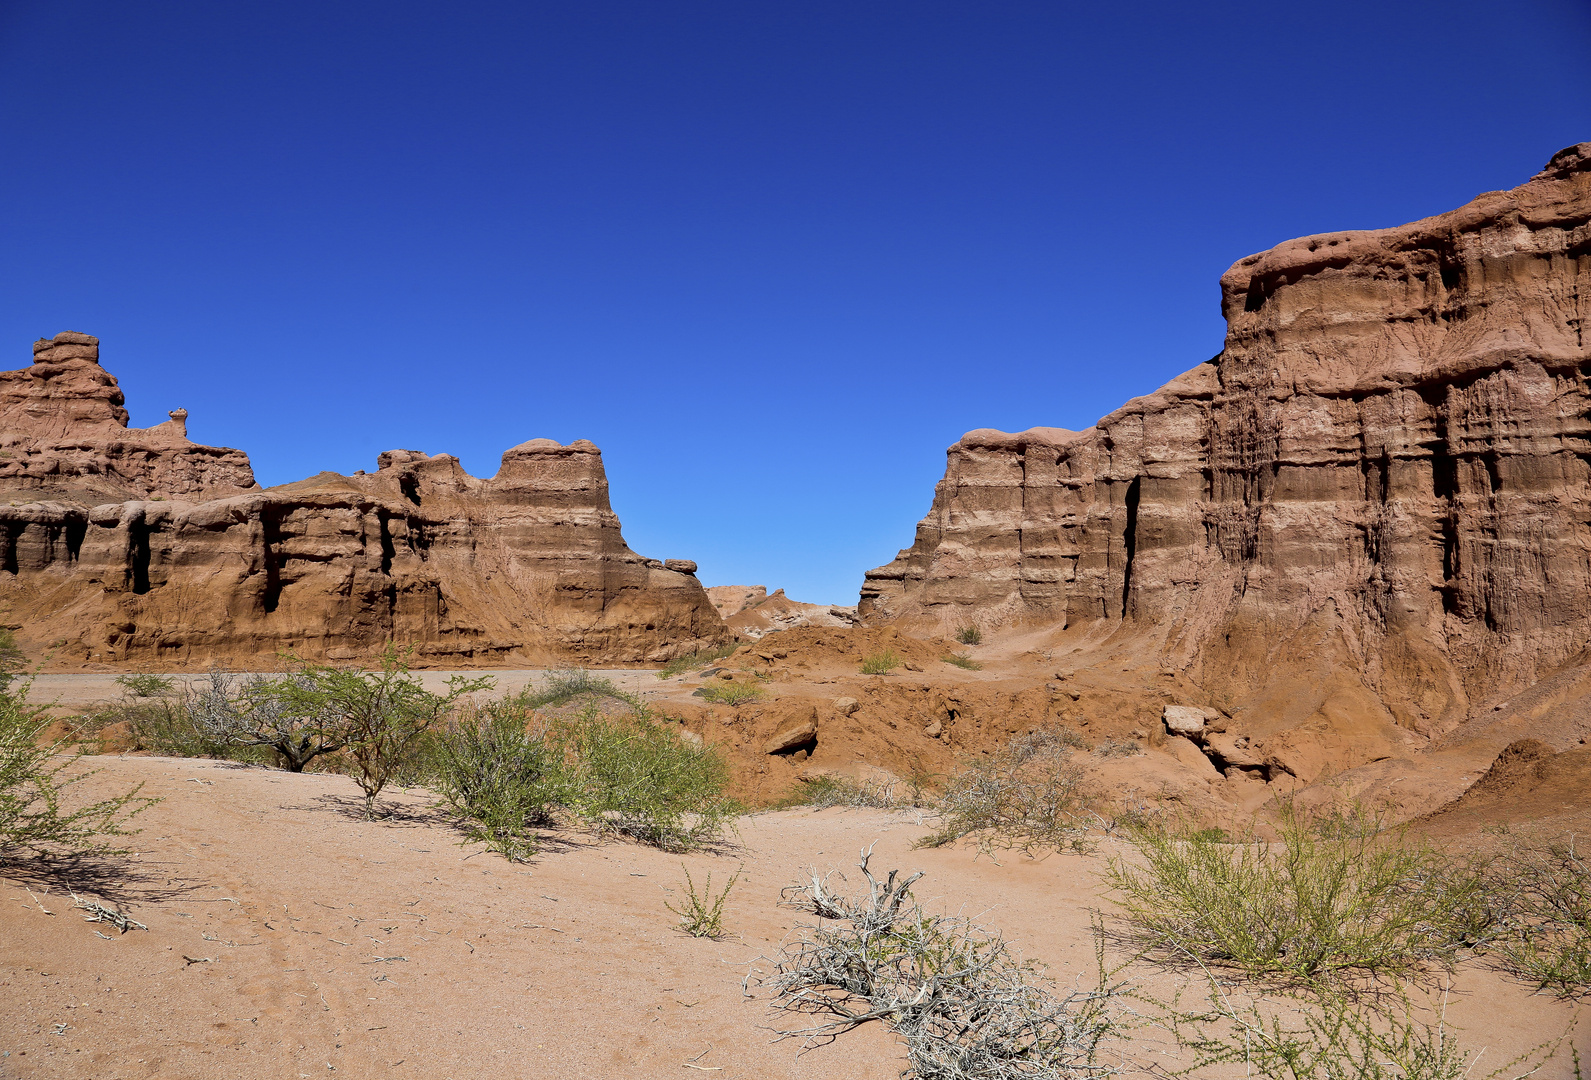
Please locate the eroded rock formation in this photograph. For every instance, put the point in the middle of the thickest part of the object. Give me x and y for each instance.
(1369, 512)
(140, 546)
(751, 613)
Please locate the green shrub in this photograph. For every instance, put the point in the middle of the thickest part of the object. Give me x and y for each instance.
(729, 693)
(880, 663)
(146, 686)
(1335, 896)
(504, 779)
(961, 660)
(1315, 1036)
(636, 777)
(970, 635)
(32, 784)
(701, 914)
(12, 662)
(696, 660)
(1547, 913)
(376, 718)
(829, 789)
(1028, 795)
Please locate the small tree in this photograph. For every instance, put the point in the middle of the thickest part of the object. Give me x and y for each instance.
(258, 711)
(376, 716)
(31, 784)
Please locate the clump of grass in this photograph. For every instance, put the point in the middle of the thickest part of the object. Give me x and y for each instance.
(729, 693)
(12, 660)
(961, 1001)
(961, 660)
(970, 635)
(699, 659)
(701, 914)
(829, 789)
(569, 684)
(880, 663)
(1335, 897)
(146, 686)
(1548, 915)
(1119, 748)
(636, 777)
(1029, 795)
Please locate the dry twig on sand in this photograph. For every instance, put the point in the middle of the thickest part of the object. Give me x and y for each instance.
(98, 912)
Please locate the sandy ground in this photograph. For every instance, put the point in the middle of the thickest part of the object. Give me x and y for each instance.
(82, 691)
(288, 938)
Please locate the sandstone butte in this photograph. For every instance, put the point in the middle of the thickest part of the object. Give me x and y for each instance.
(1363, 523)
(137, 545)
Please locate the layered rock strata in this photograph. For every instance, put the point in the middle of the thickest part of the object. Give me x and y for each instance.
(1371, 508)
(140, 546)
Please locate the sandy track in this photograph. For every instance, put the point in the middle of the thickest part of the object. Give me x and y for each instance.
(331, 946)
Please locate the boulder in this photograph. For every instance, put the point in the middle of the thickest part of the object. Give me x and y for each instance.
(1183, 719)
(793, 734)
(845, 706)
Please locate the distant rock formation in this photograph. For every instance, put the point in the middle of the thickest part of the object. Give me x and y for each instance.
(750, 612)
(126, 545)
(64, 435)
(1372, 504)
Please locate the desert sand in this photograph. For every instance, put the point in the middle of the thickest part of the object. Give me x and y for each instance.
(288, 938)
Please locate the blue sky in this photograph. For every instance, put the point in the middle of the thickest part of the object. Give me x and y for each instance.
(772, 257)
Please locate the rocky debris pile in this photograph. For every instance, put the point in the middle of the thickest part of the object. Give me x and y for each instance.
(139, 546)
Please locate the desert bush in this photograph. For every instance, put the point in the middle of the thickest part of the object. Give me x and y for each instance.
(242, 717)
(501, 773)
(377, 716)
(828, 789)
(963, 1003)
(1028, 795)
(880, 663)
(1313, 1036)
(635, 777)
(699, 659)
(970, 635)
(1119, 748)
(729, 693)
(961, 660)
(569, 684)
(1547, 914)
(12, 662)
(33, 780)
(146, 686)
(1333, 897)
(701, 914)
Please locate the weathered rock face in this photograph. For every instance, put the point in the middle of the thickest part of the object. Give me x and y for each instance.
(1372, 506)
(751, 613)
(64, 434)
(148, 548)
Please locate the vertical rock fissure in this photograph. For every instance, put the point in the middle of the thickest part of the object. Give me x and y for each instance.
(272, 541)
(1129, 543)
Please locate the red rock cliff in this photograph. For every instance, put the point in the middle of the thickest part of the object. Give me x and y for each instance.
(140, 546)
(1374, 499)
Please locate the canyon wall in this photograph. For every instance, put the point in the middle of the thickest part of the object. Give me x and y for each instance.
(121, 545)
(1374, 501)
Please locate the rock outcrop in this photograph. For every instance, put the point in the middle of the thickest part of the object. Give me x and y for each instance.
(64, 435)
(1368, 512)
(751, 612)
(139, 546)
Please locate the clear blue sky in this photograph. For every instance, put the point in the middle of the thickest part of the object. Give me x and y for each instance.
(772, 257)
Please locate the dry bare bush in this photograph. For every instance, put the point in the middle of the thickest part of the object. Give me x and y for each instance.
(966, 1007)
(1546, 915)
(1029, 796)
